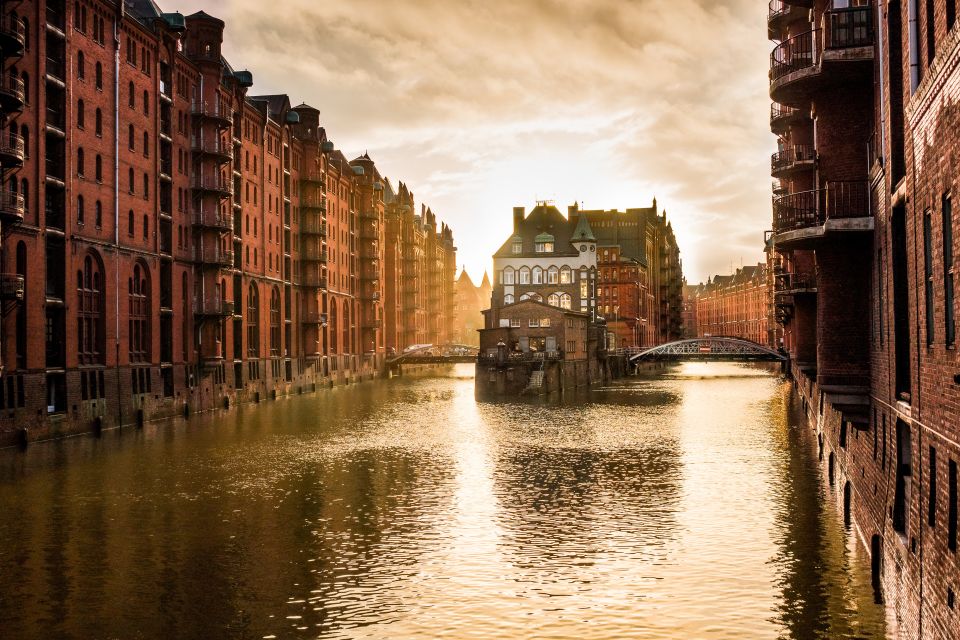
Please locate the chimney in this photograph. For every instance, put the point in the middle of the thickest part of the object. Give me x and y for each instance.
(518, 214)
(572, 210)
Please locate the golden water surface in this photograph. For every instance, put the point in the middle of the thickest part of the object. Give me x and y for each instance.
(686, 505)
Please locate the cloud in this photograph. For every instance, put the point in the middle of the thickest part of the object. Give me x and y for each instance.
(483, 105)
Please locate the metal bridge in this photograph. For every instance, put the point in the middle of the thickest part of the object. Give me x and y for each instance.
(717, 348)
(437, 354)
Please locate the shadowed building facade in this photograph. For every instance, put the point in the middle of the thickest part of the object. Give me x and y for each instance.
(173, 241)
(863, 248)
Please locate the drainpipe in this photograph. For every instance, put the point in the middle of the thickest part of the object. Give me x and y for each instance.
(914, 46)
(116, 197)
(882, 68)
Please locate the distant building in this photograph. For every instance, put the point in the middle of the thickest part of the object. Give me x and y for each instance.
(471, 300)
(689, 312)
(733, 305)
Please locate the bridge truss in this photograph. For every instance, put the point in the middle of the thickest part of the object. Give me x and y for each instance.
(712, 348)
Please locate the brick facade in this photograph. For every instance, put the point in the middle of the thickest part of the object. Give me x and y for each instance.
(182, 242)
(736, 305)
(865, 107)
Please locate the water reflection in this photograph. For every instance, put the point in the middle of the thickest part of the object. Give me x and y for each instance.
(686, 504)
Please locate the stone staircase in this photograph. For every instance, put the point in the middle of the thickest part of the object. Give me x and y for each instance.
(536, 381)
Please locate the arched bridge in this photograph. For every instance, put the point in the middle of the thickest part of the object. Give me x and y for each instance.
(717, 348)
(436, 354)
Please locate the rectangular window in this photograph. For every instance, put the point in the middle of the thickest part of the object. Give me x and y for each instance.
(928, 275)
(517, 246)
(932, 508)
(534, 323)
(514, 322)
(950, 321)
(952, 523)
(544, 322)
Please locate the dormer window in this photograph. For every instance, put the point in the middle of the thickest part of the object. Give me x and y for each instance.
(517, 246)
(543, 243)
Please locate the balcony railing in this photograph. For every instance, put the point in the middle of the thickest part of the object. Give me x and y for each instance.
(313, 202)
(212, 307)
(11, 93)
(212, 147)
(779, 114)
(11, 206)
(213, 110)
(12, 35)
(840, 200)
(313, 252)
(11, 149)
(785, 283)
(212, 255)
(311, 226)
(314, 280)
(788, 158)
(848, 28)
(794, 54)
(208, 183)
(213, 218)
(314, 317)
(11, 286)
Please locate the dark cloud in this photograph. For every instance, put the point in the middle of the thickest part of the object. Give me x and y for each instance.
(482, 105)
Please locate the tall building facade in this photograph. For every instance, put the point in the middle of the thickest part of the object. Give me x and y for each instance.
(471, 300)
(733, 305)
(640, 275)
(182, 242)
(865, 107)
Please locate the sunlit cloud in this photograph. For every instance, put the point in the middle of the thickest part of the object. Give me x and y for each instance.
(482, 106)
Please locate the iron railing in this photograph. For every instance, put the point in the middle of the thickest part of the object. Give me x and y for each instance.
(813, 208)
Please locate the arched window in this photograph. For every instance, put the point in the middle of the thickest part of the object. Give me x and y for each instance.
(537, 275)
(130, 180)
(98, 167)
(99, 76)
(98, 215)
(21, 331)
(146, 227)
(80, 163)
(524, 275)
(508, 275)
(139, 313)
(98, 122)
(566, 275)
(185, 324)
(146, 186)
(132, 101)
(146, 145)
(334, 328)
(80, 210)
(81, 67)
(90, 318)
(275, 323)
(565, 301)
(553, 275)
(131, 141)
(253, 322)
(146, 102)
(347, 342)
(525, 296)
(554, 300)
(508, 299)
(130, 223)
(81, 117)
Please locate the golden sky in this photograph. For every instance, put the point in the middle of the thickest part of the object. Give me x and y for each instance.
(480, 106)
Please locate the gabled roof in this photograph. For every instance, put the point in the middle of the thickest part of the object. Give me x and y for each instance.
(544, 304)
(543, 219)
(276, 103)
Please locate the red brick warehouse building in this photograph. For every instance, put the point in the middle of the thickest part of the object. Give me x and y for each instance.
(182, 243)
(734, 305)
(865, 106)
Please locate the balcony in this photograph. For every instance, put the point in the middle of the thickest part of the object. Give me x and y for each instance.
(793, 159)
(313, 280)
(833, 56)
(313, 253)
(212, 256)
(782, 14)
(314, 317)
(11, 150)
(211, 110)
(212, 219)
(782, 117)
(318, 203)
(11, 94)
(310, 226)
(12, 37)
(212, 307)
(370, 295)
(313, 178)
(368, 215)
(11, 207)
(842, 208)
(216, 184)
(11, 287)
(794, 284)
(215, 147)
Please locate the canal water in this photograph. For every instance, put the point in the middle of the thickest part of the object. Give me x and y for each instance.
(688, 505)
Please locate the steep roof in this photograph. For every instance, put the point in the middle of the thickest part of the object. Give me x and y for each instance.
(543, 219)
(583, 232)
